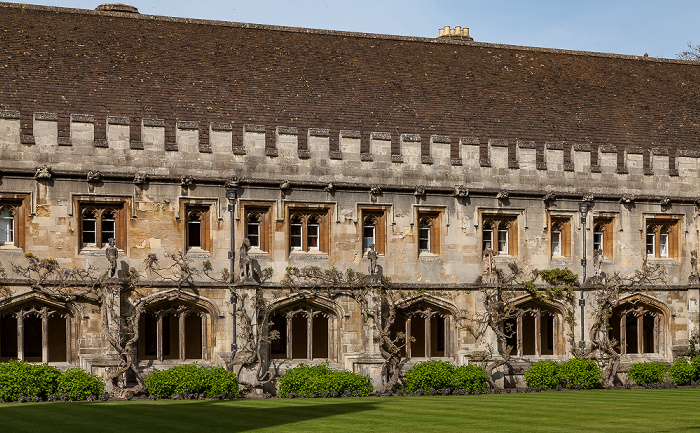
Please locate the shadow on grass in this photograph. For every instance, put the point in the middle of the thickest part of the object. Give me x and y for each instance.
(170, 416)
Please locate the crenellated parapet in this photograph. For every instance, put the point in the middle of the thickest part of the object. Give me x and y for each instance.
(160, 146)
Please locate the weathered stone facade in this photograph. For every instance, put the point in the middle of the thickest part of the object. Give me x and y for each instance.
(316, 193)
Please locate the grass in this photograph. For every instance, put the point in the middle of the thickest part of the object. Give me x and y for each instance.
(599, 411)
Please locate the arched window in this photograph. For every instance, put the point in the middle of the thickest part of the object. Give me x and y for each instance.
(424, 235)
(173, 331)
(662, 239)
(253, 230)
(303, 331)
(369, 233)
(308, 232)
(535, 331)
(429, 327)
(35, 332)
(194, 229)
(501, 232)
(556, 239)
(638, 328)
(98, 225)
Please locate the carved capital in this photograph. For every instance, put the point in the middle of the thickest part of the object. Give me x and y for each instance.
(419, 192)
(627, 198)
(502, 194)
(329, 188)
(285, 185)
(375, 190)
(588, 197)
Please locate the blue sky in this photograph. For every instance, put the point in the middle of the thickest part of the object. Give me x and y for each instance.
(661, 28)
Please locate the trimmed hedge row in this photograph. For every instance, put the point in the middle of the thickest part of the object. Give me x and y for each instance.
(681, 372)
(20, 380)
(192, 379)
(576, 373)
(321, 381)
(442, 375)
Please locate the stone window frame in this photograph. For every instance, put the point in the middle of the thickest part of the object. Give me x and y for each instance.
(560, 224)
(662, 231)
(428, 317)
(17, 205)
(497, 220)
(100, 206)
(378, 215)
(46, 312)
(180, 310)
(603, 226)
(194, 212)
(263, 211)
(429, 226)
(305, 214)
(645, 313)
(529, 320)
(288, 320)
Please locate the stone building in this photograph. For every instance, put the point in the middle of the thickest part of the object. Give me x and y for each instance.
(115, 124)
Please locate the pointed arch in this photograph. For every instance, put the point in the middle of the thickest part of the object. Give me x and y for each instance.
(35, 328)
(639, 323)
(428, 321)
(307, 328)
(177, 325)
(537, 329)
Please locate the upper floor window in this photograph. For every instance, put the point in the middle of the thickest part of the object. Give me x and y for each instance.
(308, 231)
(257, 226)
(197, 235)
(7, 225)
(373, 229)
(100, 223)
(603, 237)
(560, 242)
(428, 232)
(12, 213)
(662, 239)
(501, 232)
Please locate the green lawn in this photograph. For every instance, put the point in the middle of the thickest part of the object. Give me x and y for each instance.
(599, 411)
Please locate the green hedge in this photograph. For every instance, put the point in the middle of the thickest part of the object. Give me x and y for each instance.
(543, 374)
(580, 373)
(442, 375)
(471, 377)
(192, 379)
(682, 371)
(21, 379)
(322, 381)
(78, 384)
(427, 375)
(647, 372)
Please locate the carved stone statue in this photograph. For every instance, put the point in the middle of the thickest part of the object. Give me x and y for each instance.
(112, 253)
(372, 256)
(694, 277)
(244, 261)
(488, 256)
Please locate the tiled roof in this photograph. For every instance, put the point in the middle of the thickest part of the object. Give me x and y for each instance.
(115, 64)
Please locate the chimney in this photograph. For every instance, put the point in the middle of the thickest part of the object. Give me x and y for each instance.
(117, 7)
(455, 33)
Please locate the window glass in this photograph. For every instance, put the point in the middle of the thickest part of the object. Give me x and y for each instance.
(369, 234)
(254, 231)
(108, 227)
(502, 240)
(89, 229)
(651, 243)
(7, 226)
(194, 230)
(556, 240)
(295, 233)
(312, 230)
(663, 243)
(598, 237)
(424, 236)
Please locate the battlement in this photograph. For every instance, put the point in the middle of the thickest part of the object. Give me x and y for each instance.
(176, 147)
